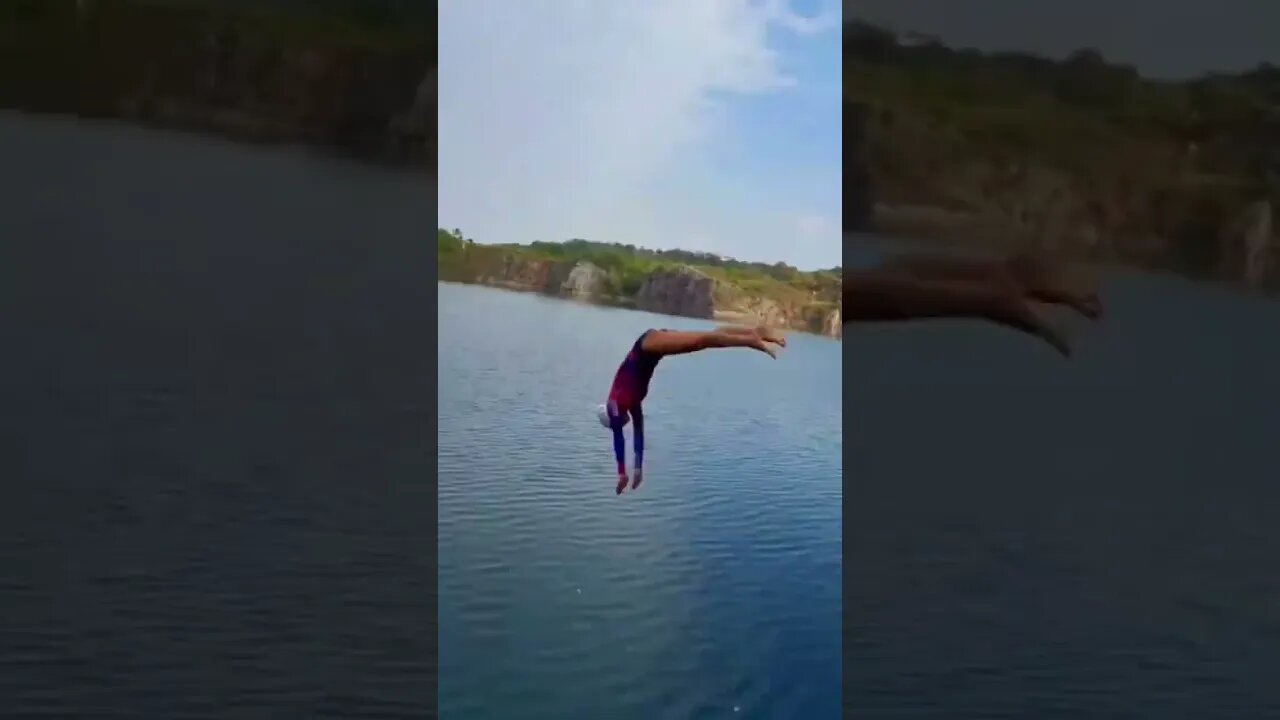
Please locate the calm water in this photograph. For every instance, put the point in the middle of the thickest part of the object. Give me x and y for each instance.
(215, 435)
(214, 430)
(1033, 537)
(711, 592)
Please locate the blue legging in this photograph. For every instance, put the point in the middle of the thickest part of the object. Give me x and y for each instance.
(620, 443)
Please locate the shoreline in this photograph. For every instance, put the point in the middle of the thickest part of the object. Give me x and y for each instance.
(881, 242)
(723, 317)
(332, 151)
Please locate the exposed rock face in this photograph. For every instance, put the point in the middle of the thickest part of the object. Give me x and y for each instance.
(517, 273)
(1148, 211)
(416, 128)
(754, 310)
(832, 325)
(424, 101)
(858, 202)
(581, 280)
(1247, 245)
(684, 292)
(585, 281)
(374, 102)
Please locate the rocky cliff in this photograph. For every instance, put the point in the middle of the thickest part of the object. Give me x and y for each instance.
(1249, 246)
(1229, 236)
(689, 292)
(514, 271)
(1080, 156)
(585, 281)
(250, 75)
(518, 273)
(683, 291)
(833, 324)
(858, 201)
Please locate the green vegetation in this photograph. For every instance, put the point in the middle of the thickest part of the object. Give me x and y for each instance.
(325, 72)
(1119, 166)
(367, 24)
(811, 294)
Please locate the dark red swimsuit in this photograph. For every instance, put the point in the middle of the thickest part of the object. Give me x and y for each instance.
(630, 386)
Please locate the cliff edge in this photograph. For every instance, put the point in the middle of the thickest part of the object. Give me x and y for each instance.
(810, 302)
(246, 71)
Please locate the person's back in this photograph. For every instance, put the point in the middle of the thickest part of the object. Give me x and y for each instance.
(631, 382)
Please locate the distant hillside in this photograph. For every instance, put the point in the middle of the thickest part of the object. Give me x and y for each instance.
(674, 282)
(356, 77)
(1082, 155)
(419, 12)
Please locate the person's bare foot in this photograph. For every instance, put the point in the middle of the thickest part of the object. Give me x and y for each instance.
(1038, 325)
(622, 483)
(764, 347)
(777, 337)
(1054, 337)
(1011, 308)
(636, 478)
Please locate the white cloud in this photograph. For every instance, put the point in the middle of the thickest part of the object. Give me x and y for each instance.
(827, 19)
(561, 118)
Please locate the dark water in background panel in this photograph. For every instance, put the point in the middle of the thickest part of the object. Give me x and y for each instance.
(1094, 538)
(715, 586)
(212, 442)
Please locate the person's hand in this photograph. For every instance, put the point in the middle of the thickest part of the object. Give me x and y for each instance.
(636, 478)
(764, 347)
(622, 483)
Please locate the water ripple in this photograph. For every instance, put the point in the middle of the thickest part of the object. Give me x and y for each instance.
(716, 586)
(196, 515)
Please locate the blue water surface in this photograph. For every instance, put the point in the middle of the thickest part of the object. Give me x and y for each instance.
(1037, 537)
(712, 591)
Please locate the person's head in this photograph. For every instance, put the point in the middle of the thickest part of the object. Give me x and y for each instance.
(608, 411)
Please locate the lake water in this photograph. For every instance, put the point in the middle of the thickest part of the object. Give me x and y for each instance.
(214, 440)
(712, 592)
(214, 430)
(1034, 537)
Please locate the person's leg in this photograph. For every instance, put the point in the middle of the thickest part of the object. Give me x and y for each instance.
(764, 333)
(1031, 276)
(879, 295)
(677, 342)
(619, 445)
(637, 439)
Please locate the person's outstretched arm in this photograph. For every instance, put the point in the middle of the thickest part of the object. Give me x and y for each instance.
(678, 342)
(887, 294)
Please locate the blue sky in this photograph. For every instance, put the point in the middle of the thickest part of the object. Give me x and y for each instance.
(710, 125)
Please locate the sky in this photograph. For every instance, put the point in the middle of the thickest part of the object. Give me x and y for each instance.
(1170, 39)
(707, 125)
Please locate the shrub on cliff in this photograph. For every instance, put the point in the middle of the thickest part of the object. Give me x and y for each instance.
(627, 267)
